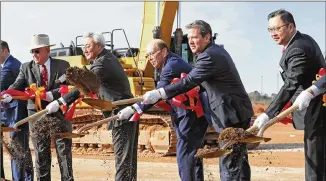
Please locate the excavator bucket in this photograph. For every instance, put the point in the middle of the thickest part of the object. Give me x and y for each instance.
(212, 153)
(99, 104)
(68, 135)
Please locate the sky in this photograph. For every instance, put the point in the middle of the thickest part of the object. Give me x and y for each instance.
(241, 27)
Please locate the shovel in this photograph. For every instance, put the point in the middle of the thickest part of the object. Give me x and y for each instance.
(39, 115)
(107, 105)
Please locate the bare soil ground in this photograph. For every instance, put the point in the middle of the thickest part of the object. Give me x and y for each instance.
(280, 159)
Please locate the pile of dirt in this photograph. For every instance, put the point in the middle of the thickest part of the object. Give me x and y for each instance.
(45, 128)
(233, 134)
(83, 79)
(21, 157)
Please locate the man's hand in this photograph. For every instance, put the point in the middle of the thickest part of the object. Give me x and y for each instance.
(151, 97)
(303, 100)
(53, 107)
(126, 113)
(6, 98)
(49, 96)
(261, 120)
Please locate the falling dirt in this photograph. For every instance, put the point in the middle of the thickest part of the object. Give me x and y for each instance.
(83, 79)
(45, 128)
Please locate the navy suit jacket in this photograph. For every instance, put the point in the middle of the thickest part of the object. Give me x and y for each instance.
(9, 73)
(172, 68)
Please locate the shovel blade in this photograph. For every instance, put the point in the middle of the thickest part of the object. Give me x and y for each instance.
(99, 104)
(254, 139)
(212, 153)
(69, 135)
(9, 129)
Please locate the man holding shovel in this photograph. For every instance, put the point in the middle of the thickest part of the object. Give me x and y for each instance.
(229, 102)
(43, 70)
(114, 85)
(190, 126)
(301, 61)
(14, 111)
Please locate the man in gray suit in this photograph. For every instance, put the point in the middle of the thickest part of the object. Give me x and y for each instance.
(114, 85)
(43, 70)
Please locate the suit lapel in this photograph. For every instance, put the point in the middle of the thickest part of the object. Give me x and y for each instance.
(36, 72)
(53, 71)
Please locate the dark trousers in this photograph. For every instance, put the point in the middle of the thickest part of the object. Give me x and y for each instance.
(43, 155)
(235, 166)
(315, 158)
(1, 157)
(125, 142)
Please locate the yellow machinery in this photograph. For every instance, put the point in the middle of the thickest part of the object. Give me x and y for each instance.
(156, 131)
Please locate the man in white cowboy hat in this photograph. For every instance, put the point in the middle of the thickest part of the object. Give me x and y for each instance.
(44, 70)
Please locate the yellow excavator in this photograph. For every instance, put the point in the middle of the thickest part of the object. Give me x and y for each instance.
(156, 130)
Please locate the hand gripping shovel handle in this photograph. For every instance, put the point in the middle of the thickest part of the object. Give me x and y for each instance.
(31, 117)
(277, 118)
(127, 101)
(100, 122)
(17, 97)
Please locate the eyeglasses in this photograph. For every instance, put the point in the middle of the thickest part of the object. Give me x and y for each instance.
(276, 29)
(35, 51)
(151, 53)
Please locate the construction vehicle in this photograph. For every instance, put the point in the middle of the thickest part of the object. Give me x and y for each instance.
(156, 130)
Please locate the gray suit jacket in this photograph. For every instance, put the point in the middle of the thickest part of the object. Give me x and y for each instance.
(114, 84)
(216, 72)
(30, 73)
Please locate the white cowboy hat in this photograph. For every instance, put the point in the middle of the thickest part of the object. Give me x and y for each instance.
(40, 40)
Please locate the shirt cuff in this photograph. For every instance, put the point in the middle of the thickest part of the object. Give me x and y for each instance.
(315, 90)
(138, 109)
(62, 101)
(162, 92)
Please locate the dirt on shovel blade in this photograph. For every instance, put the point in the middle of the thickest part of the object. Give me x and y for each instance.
(233, 134)
(47, 127)
(211, 153)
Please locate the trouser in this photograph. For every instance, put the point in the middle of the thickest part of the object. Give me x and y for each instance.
(235, 166)
(1, 155)
(125, 145)
(315, 158)
(190, 132)
(43, 155)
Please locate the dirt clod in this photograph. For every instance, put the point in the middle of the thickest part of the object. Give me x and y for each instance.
(83, 79)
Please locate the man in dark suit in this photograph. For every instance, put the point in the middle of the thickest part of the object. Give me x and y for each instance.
(114, 85)
(43, 71)
(15, 111)
(190, 130)
(301, 61)
(230, 105)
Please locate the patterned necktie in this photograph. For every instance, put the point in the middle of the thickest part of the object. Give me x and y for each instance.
(44, 78)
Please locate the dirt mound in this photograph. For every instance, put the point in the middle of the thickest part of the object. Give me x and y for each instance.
(83, 79)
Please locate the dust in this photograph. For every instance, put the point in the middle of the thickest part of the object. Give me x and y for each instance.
(83, 79)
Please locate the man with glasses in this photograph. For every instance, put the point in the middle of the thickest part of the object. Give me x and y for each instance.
(114, 85)
(43, 70)
(301, 61)
(190, 128)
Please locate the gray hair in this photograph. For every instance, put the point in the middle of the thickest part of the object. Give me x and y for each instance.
(97, 37)
(204, 27)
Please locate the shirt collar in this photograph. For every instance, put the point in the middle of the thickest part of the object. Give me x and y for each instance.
(5, 60)
(47, 63)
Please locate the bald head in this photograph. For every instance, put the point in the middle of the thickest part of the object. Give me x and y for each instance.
(157, 52)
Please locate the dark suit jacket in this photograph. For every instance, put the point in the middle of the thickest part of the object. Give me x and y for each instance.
(321, 84)
(16, 109)
(114, 84)
(300, 63)
(216, 72)
(30, 73)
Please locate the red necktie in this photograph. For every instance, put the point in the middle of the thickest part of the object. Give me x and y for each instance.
(283, 49)
(44, 78)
